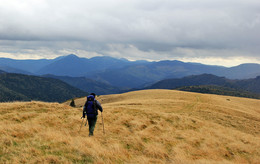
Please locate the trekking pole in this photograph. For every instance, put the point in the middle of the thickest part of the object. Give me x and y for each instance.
(81, 124)
(86, 122)
(103, 123)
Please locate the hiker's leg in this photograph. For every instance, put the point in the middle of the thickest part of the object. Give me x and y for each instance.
(92, 126)
(89, 124)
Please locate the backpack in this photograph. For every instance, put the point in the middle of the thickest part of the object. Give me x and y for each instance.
(90, 106)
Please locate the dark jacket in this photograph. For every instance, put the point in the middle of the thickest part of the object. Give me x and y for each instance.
(97, 107)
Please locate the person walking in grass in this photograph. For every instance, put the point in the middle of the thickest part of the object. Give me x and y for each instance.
(91, 108)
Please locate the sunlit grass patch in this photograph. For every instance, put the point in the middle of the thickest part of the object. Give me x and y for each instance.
(152, 126)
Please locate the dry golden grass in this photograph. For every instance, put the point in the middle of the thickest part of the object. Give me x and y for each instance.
(151, 126)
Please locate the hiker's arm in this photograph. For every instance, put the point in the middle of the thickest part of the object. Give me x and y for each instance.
(84, 111)
(99, 106)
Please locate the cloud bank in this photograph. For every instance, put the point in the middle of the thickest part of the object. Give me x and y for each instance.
(202, 30)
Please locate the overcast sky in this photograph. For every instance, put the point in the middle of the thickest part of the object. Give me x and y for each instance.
(219, 32)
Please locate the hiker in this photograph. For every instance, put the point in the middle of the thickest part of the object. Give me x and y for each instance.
(90, 108)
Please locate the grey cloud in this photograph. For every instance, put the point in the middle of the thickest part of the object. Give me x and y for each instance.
(160, 26)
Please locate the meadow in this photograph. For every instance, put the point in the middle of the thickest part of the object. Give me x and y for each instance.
(149, 126)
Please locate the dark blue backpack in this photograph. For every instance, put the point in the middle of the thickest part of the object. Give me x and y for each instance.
(90, 106)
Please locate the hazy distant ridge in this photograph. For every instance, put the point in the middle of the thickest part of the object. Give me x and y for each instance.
(251, 85)
(88, 85)
(124, 73)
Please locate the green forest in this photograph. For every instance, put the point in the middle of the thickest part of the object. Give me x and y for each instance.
(18, 87)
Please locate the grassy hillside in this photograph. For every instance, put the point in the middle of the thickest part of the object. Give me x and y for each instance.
(152, 126)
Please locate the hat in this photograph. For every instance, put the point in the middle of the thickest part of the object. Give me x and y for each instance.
(93, 94)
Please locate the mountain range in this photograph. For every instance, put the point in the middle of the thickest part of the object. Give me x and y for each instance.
(70, 65)
(246, 86)
(121, 72)
(107, 75)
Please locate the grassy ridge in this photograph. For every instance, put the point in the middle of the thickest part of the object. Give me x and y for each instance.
(153, 126)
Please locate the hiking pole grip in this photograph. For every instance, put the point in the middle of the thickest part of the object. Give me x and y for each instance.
(103, 123)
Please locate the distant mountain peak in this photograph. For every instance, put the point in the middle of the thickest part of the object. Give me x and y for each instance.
(71, 56)
(248, 65)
